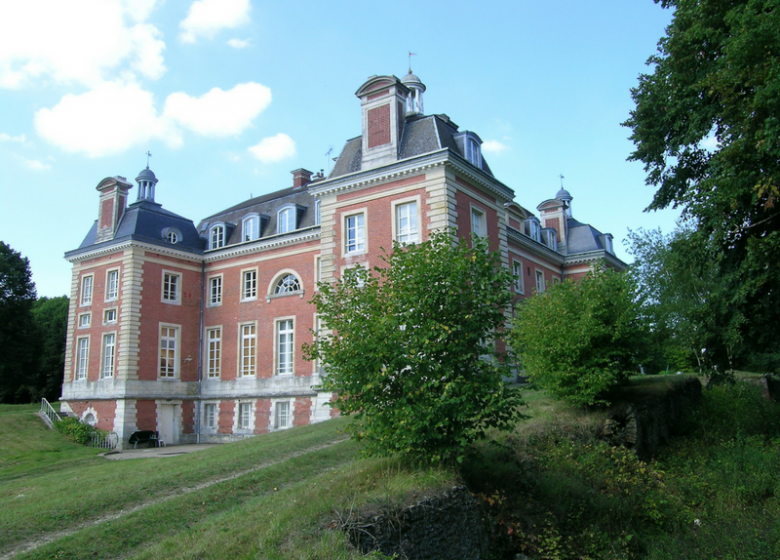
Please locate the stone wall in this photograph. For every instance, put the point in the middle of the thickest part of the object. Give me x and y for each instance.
(443, 527)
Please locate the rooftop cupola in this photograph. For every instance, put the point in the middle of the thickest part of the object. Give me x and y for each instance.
(414, 103)
(564, 196)
(146, 181)
(383, 104)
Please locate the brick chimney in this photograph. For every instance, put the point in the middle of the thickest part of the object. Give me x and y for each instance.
(301, 177)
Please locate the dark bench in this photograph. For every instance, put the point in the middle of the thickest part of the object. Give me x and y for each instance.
(144, 436)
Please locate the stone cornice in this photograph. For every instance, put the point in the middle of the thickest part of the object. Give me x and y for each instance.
(264, 244)
(534, 246)
(108, 248)
(591, 256)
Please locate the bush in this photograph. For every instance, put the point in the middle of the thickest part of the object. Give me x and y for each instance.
(578, 339)
(75, 430)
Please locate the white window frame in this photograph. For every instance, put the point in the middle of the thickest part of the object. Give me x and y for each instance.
(211, 421)
(473, 151)
(317, 212)
(282, 284)
(213, 352)
(170, 289)
(359, 245)
(478, 221)
(552, 239)
(317, 270)
(245, 416)
(108, 355)
(288, 417)
(214, 296)
(247, 349)
(172, 237)
(85, 320)
(284, 346)
(171, 337)
(112, 284)
(217, 236)
(87, 290)
(81, 369)
(249, 284)
(110, 316)
(253, 222)
(539, 278)
(535, 230)
(288, 224)
(410, 233)
(517, 272)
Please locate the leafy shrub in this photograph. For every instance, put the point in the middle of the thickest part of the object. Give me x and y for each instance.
(74, 430)
(578, 339)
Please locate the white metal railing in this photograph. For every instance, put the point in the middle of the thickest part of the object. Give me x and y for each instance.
(104, 440)
(48, 414)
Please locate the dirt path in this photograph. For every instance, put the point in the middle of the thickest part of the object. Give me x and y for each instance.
(51, 537)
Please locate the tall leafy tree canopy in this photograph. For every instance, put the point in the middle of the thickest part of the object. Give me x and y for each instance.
(17, 329)
(411, 354)
(707, 127)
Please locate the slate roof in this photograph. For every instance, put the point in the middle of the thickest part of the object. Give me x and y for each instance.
(421, 135)
(582, 238)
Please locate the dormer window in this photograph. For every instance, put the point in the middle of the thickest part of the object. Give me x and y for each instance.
(552, 239)
(172, 235)
(285, 220)
(251, 228)
(317, 214)
(217, 237)
(473, 153)
(534, 230)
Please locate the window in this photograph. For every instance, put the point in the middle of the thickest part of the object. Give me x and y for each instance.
(214, 341)
(109, 316)
(215, 290)
(210, 415)
(517, 270)
(245, 416)
(285, 220)
(86, 290)
(282, 415)
(317, 270)
(317, 213)
(356, 233)
(539, 281)
(82, 358)
(89, 419)
(246, 360)
(168, 350)
(552, 240)
(217, 238)
(406, 223)
(288, 284)
(249, 285)
(251, 228)
(85, 320)
(109, 346)
(472, 152)
(284, 347)
(112, 285)
(172, 237)
(478, 222)
(170, 288)
(534, 230)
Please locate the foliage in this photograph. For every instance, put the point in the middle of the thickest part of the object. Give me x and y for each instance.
(17, 329)
(578, 339)
(706, 126)
(74, 430)
(684, 299)
(411, 351)
(51, 322)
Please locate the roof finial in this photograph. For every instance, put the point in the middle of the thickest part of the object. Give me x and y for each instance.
(562, 180)
(411, 54)
(148, 155)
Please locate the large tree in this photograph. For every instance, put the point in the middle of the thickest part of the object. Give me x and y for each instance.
(17, 329)
(411, 354)
(51, 321)
(707, 127)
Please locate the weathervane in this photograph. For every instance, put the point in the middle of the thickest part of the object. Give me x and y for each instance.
(411, 54)
(562, 180)
(148, 155)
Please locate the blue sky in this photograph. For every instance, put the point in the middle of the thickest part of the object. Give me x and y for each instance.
(231, 95)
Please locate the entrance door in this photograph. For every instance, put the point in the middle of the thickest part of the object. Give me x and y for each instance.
(166, 423)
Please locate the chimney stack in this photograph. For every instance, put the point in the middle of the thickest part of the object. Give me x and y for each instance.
(301, 178)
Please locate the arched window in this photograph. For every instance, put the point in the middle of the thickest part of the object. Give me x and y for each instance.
(217, 238)
(90, 419)
(251, 228)
(287, 284)
(172, 237)
(285, 220)
(472, 152)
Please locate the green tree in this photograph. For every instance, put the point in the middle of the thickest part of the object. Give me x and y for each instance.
(707, 127)
(17, 329)
(411, 354)
(51, 321)
(579, 339)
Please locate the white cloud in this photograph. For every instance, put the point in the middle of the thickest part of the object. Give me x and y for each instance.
(206, 17)
(274, 148)
(8, 138)
(78, 41)
(218, 112)
(494, 147)
(106, 120)
(33, 164)
(238, 43)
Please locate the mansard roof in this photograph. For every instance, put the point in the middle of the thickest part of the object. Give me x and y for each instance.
(421, 135)
(583, 238)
